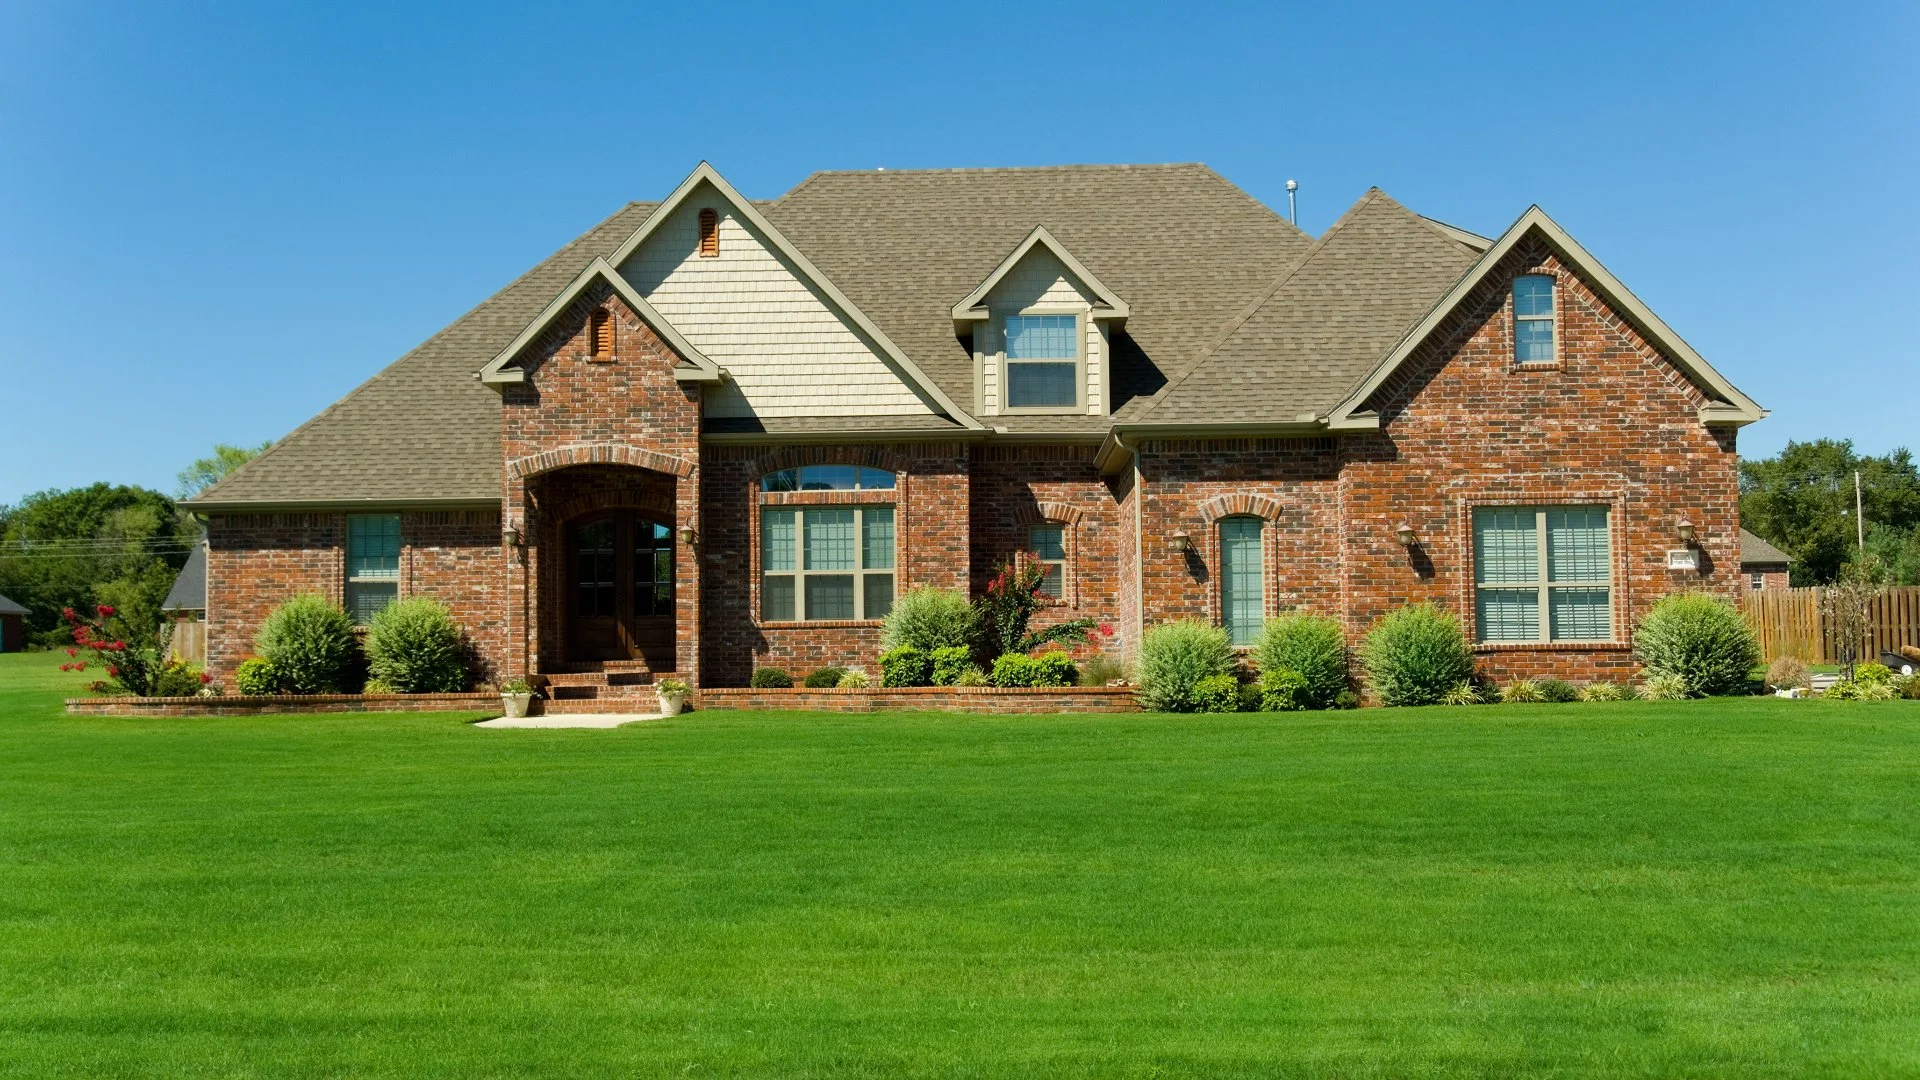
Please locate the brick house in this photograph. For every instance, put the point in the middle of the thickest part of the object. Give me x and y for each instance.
(1761, 564)
(715, 433)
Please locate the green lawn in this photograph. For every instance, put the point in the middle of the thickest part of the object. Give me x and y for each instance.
(1726, 888)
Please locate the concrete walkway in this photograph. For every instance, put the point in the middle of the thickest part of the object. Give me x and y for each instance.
(578, 720)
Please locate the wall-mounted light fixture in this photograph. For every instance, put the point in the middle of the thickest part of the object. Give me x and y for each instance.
(510, 536)
(689, 535)
(1405, 533)
(1684, 530)
(1182, 543)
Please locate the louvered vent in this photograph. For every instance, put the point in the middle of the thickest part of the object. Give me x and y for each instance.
(600, 335)
(709, 234)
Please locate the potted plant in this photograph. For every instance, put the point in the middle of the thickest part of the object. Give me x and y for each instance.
(673, 696)
(515, 696)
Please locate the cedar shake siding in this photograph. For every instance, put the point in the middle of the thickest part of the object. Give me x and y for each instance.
(576, 467)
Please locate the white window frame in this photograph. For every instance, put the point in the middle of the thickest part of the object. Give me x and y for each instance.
(1066, 555)
(1552, 318)
(1226, 584)
(860, 573)
(1079, 404)
(1542, 586)
(356, 581)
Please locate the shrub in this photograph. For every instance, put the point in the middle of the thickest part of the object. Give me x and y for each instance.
(1283, 690)
(414, 646)
(1175, 656)
(1700, 639)
(256, 677)
(973, 676)
(928, 619)
(1466, 693)
(1872, 672)
(1415, 655)
(1603, 691)
(1047, 669)
(1908, 686)
(950, 663)
(1312, 647)
(1787, 673)
(1012, 599)
(377, 685)
(770, 678)
(1216, 694)
(1522, 692)
(1843, 690)
(855, 679)
(1558, 691)
(179, 679)
(1102, 669)
(1665, 686)
(1252, 698)
(310, 643)
(825, 679)
(905, 665)
(1877, 691)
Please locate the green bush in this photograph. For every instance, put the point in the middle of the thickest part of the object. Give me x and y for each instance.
(1283, 690)
(1415, 655)
(1843, 690)
(256, 677)
(1175, 656)
(1604, 691)
(1216, 694)
(770, 678)
(1522, 692)
(1466, 693)
(1252, 698)
(1665, 686)
(1908, 686)
(1872, 672)
(973, 676)
(310, 643)
(1312, 647)
(1558, 691)
(950, 663)
(414, 646)
(377, 685)
(855, 679)
(825, 679)
(1700, 639)
(928, 619)
(1056, 669)
(1047, 669)
(905, 665)
(1101, 669)
(179, 679)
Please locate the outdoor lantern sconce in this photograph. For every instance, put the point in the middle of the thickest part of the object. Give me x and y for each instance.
(689, 535)
(1684, 530)
(1405, 533)
(511, 537)
(1182, 543)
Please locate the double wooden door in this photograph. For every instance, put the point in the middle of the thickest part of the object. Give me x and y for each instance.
(620, 590)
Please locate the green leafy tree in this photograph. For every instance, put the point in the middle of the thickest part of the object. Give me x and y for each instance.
(1801, 499)
(79, 548)
(208, 471)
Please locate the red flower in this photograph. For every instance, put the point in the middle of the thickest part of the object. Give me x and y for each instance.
(67, 614)
(106, 612)
(205, 678)
(119, 646)
(66, 667)
(81, 666)
(113, 671)
(73, 652)
(1106, 629)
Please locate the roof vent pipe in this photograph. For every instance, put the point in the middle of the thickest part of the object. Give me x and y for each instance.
(1292, 217)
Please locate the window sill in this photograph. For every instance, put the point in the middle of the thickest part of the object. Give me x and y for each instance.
(1553, 646)
(1538, 365)
(820, 624)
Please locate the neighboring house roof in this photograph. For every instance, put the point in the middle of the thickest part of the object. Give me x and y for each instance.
(189, 592)
(1755, 551)
(8, 607)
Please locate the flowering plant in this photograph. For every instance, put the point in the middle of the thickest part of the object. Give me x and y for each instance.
(1007, 608)
(133, 668)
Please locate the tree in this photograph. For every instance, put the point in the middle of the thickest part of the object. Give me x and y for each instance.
(104, 544)
(208, 471)
(1802, 500)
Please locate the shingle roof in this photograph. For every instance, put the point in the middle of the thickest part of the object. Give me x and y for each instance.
(1322, 325)
(8, 607)
(189, 592)
(1756, 551)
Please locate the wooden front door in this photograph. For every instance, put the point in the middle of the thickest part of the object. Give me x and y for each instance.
(620, 590)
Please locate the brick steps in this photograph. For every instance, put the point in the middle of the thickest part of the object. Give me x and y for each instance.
(615, 686)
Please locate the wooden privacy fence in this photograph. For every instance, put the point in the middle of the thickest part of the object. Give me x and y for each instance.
(190, 642)
(1789, 623)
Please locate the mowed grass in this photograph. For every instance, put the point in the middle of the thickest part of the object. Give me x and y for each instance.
(1724, 888)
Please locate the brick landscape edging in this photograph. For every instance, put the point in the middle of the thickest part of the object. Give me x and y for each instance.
(280, 704)
(978, 699)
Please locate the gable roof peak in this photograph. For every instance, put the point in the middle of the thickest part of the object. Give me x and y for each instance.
(1107, 305)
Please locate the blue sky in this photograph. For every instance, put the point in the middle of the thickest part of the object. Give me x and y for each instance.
(217, 219)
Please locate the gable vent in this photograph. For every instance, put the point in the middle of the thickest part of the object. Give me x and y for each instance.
(600, 335)
(709, 234)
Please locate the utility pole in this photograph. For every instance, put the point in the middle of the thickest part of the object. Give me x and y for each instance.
(1859, 516)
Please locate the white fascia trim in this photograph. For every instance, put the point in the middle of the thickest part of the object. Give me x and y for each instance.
(1109, 307)
(499, 371)
(706, 174)
(1737, 408)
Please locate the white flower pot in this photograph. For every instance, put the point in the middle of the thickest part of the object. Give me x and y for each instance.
(515, 704)
(671, 704)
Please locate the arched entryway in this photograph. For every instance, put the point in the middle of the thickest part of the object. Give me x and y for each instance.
(619, 589)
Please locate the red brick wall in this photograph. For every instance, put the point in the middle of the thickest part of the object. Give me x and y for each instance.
(1015, 487)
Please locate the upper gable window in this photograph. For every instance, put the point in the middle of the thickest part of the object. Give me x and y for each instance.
(1043, 361)
(828, 478)
(709, 233)
(1533, 331)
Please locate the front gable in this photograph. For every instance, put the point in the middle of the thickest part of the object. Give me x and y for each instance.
(1040, 277)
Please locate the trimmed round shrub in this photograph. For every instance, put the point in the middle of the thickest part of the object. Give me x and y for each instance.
(1175, 656)
(1312, 647)
(1701, 640)
(1665, 686)
(1217, 694)
(414, 646)
(1413, 656)
(1283, 690)
(1522, 692)
(256, 677)
(949, 664)
(928, 619)
(1558, 691)
(178, 679)
(1055, 669)
(1787, 673)
(904, 665)
(1047, 669)
(770, 678)
(855, 679)
(310, 643)
(825, 679)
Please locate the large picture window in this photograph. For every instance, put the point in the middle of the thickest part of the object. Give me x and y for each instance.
(1043, 361)
(1243, 592)
(373, 564)
(1543, 573)
(826, 562)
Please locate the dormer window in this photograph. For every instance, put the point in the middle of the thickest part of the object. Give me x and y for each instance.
(709, 234)
(600, 336)
(1533, 336)
(1043, 361)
